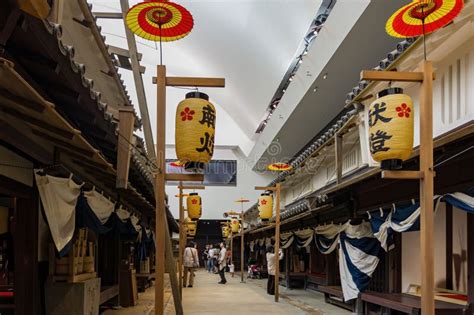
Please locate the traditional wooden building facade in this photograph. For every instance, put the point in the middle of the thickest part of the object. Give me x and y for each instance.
(334, 181)
(61, 99)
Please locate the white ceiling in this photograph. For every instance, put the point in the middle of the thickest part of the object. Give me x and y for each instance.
(249, 42)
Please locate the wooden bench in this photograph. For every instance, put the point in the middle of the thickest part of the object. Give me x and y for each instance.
(108, 292)
(405, 303)
(317, 279)
(286, 280)
(144, 281)
(333, 295)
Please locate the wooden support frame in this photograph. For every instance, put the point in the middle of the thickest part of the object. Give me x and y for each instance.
(277, 190)
(182, 236)
(137, 76)
(124, 147)
(184, 177)
(160, 180)
(339, 157)
(426, 173)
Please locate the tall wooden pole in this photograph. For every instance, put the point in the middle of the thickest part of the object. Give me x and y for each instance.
(427, 191)
(277, 243)
(181, 238)
(425, 174)
(242, 243)
(160, 190)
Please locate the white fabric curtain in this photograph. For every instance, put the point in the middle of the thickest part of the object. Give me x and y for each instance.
(59, 198)
(305, 237)
(286, 239)
(123, 214)
(101, 205)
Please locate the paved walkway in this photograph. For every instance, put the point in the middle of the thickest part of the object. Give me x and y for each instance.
(235, 298)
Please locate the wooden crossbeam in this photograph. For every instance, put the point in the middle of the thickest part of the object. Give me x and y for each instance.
(400, 76)
(194, 82)
(265, 188)
(193, 187)
(63, 143)
(22, 102)
(184, 177)
(108, 15)
(37, 122)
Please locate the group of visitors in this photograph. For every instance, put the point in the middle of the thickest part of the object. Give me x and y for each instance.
(216, 259)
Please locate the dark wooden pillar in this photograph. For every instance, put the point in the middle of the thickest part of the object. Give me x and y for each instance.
(470, 262)
(25, 238)
(449, 246)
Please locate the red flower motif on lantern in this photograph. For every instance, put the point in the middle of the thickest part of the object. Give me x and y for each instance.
(194, 201)
(403, 110)
(187, 114)
(263, 202)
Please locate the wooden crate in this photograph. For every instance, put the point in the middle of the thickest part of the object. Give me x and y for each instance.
(78, 266)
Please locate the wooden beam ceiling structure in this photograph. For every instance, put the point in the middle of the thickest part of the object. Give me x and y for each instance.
(45, 127)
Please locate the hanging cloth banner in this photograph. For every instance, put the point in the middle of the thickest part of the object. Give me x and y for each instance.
(85, 217)
(327, 237)
(358, 258)
(123, 214)
(59, 198)
(101, 205)
(286, 239)
(460, 200)
(304, 238)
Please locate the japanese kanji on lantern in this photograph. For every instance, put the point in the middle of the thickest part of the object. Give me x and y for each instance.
(194, 206)
(391, 128)
(195, 127)
(265, 206)
(191, 226)
(235, 225)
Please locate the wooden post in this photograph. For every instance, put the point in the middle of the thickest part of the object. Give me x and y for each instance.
(181, 239)
(124, 147)
(427, 191)
(339, 157)
(242, 245)
(449, 246)
(160, 213)
(425, 174)
(470, 262)
(277, 242)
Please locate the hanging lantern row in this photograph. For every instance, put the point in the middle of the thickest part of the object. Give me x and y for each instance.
(194, 206)
(191, 226)
(391, 128)
(195, 129)
(265, 206)
(235, 225)
(225, 231)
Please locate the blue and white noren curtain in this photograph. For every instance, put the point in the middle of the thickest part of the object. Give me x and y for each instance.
(359, 254)
(360, 245)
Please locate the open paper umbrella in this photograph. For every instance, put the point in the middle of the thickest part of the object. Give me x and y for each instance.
(422, 17)
(177, 164)
(279, 167)
(159, 20)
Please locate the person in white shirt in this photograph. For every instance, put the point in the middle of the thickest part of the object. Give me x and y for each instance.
(190, 261)
(271, 261)
(222, 263)
(210, 260)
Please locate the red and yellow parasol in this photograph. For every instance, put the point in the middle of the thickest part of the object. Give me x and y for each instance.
(279, 167)
(422, 17)
(159, 20)
(177, 164)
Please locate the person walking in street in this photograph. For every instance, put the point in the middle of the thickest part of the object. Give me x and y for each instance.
(271, 262)
(205, 256)
(190, 261)
(222, 260)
